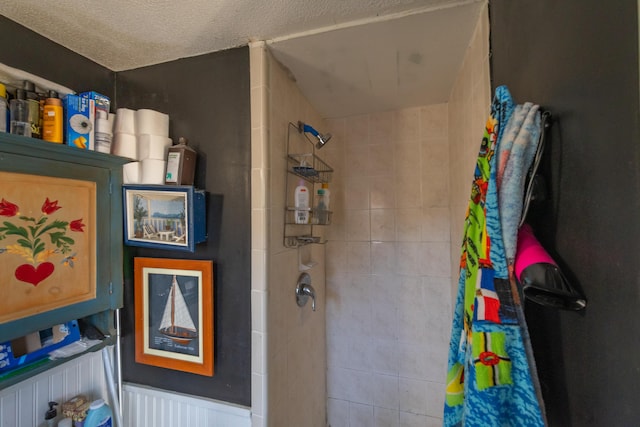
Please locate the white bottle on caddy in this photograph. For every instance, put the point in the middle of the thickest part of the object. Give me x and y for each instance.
(301, 202)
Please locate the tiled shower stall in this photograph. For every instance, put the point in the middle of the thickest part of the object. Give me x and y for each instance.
(399, 194)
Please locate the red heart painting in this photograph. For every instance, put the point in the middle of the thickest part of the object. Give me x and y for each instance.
(34, 275)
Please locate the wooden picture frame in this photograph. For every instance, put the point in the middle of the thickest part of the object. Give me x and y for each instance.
(164, 216)
(174, 314)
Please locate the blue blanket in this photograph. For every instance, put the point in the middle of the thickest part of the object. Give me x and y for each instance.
(489, 381)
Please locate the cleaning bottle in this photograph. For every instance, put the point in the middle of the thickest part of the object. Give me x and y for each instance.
(301, 201)
(99, 415)
(3, 108)
(52, 118)
(19, 107)
(51, 415)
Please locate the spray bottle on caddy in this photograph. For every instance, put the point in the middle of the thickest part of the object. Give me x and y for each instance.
(322, 208)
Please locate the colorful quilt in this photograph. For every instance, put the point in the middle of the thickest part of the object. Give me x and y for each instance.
(489, 380)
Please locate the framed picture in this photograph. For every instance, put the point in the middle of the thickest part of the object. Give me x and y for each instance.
(174, 314)
(165, 217)
(47, 244)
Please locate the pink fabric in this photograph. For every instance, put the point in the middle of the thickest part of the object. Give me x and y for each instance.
(529, 251)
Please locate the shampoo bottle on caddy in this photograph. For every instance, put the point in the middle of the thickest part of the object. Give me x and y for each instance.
(301, 201)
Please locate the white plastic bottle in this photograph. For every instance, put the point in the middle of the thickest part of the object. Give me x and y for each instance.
(301, 201)
(99, 415)
(327, 195)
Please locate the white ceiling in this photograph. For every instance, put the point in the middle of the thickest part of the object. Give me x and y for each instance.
(349, 57)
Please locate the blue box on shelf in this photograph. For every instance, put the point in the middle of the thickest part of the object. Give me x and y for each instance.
(22, 351)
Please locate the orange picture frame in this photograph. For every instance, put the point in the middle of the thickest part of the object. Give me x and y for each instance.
(174, 314)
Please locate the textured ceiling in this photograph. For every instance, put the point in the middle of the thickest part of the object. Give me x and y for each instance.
(355, 44)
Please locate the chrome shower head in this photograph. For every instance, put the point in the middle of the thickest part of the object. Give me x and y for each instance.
(322, 138)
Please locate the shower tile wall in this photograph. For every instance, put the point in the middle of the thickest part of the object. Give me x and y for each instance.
(398, 197)
(388, 271)
(288, 342)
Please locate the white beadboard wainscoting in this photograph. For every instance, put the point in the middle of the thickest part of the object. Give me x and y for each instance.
(25, 404)
(151, 407)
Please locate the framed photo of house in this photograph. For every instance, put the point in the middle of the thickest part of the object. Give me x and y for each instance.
(174, 314)
(164, 216)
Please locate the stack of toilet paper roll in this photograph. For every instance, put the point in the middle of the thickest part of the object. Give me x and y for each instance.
(143, 136)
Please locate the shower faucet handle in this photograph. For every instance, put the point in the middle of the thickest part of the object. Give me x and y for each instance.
(304, 290)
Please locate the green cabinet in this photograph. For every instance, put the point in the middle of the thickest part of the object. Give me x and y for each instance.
(20, 155)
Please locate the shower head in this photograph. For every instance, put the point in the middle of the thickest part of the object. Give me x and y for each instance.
(322, 138)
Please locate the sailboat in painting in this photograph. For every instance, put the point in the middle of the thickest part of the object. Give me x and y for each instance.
(176, 323)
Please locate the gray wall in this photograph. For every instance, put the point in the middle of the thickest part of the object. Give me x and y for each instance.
(207, 98)
(579, 60)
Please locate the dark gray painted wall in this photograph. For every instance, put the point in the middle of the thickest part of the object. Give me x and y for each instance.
(207, 98)
(23, 49)
(579, 59)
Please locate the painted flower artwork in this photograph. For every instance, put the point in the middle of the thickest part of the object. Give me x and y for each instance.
(39, 241)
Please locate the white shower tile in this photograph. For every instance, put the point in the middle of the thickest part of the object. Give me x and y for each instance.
(435, 399)
(408, 419)
(358, 225)
(409, 258)
(413, 396)
(359, 257)
(357, 130)
(356, 193)
(356, 161)
(360, 415)
(381, 160)
(407, 157)
(338, 413)
(434, 121)
(408, 189)
(435, 225)
(383, 226)
(382, 192)
(386, 393)
(406, 125)
(435, 259)
(408, 224)
(413, 360)
(258, 269)
(436, 191)
(383, 259)
(385, 417)
(435, 158)
(381, 128)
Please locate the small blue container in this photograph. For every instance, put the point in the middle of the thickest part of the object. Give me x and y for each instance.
(99, 415)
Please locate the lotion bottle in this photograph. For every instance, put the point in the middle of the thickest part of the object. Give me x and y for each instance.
(301, 201)
(52, 118)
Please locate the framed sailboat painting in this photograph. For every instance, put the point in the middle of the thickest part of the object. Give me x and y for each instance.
(174, 314)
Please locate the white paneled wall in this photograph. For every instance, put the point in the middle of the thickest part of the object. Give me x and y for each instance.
(25, 404)
(147, 407)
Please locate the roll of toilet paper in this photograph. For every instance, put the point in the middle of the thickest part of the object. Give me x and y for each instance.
(131, 173)
(153, 171)
(125, 121)
(152, 122)
(153, 147)
(112, 121)
(125, 145)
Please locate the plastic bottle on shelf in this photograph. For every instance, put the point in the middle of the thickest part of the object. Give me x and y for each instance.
(52, 118)
(301, 201)
(321, 210)
(3, 108)
(99, 415)
(19, 107)
(33, 101)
